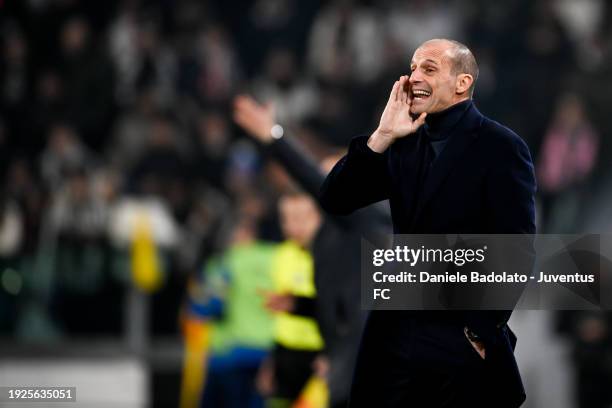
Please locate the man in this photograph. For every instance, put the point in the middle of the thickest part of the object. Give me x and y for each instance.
(296, 333)
(335, 251)
(445, 168)
(242, 329)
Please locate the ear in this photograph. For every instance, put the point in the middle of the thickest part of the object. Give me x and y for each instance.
(463, 83)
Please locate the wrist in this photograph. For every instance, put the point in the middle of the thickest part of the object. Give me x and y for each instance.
(379, 142)
(268, 134)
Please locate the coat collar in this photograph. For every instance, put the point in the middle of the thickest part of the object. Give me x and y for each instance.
(440, 124)
(462, 136)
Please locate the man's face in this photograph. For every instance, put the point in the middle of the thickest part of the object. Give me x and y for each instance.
(432, 85)
(300, 218)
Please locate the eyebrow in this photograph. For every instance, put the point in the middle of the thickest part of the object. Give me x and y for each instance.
(427, 60)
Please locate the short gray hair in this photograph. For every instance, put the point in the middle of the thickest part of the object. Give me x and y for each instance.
(462, 60)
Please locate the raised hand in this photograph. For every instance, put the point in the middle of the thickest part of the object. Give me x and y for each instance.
(256, 119)
(395, 121)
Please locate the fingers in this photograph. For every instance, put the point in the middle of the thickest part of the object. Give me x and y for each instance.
(407, 89)
(394, 92)
(243, 102)
(243, 106)
(402, 89)
(246, 103)
(399, 92)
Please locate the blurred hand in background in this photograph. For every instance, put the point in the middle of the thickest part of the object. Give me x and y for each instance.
(256, 119)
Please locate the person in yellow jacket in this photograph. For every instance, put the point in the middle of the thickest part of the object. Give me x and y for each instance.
(296, 333)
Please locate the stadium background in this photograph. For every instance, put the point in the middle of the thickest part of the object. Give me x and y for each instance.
(108, 108)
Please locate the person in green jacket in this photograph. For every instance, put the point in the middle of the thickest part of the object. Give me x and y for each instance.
(242, 329)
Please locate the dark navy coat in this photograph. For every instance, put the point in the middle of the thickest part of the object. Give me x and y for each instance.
(482, 182)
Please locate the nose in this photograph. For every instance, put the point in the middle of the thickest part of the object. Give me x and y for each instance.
(415, 77)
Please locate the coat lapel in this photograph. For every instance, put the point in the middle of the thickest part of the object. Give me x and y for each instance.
(411, 164)
(464, 134)
(407, 153)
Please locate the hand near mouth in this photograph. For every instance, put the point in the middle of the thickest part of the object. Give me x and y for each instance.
(395, 121)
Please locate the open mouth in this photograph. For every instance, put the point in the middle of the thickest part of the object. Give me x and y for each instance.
(420, 94)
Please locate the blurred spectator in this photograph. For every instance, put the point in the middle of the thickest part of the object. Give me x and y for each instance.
(11, 229)
(143, 62)
(23, 186)
(242, 330)
(219, 72)
(206, 228)
(127, 213)
(87, 75)
(63, 155)
(15, 71)
(547, 44)
(242, 169)
(597, 84)
(131, 132)
(294, 96)
(338, 116)
(45, 110)
(77, 210)
(11, 280)
(410, 23)
(124, 49)
(582, 20)
(267, 24)
(568, 156)
(296, 334)
(213, 143)
(592, 354)
(161, 170)
(75, 244)
(345, 43)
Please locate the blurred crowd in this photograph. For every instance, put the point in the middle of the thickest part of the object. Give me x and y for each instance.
(110, 106)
